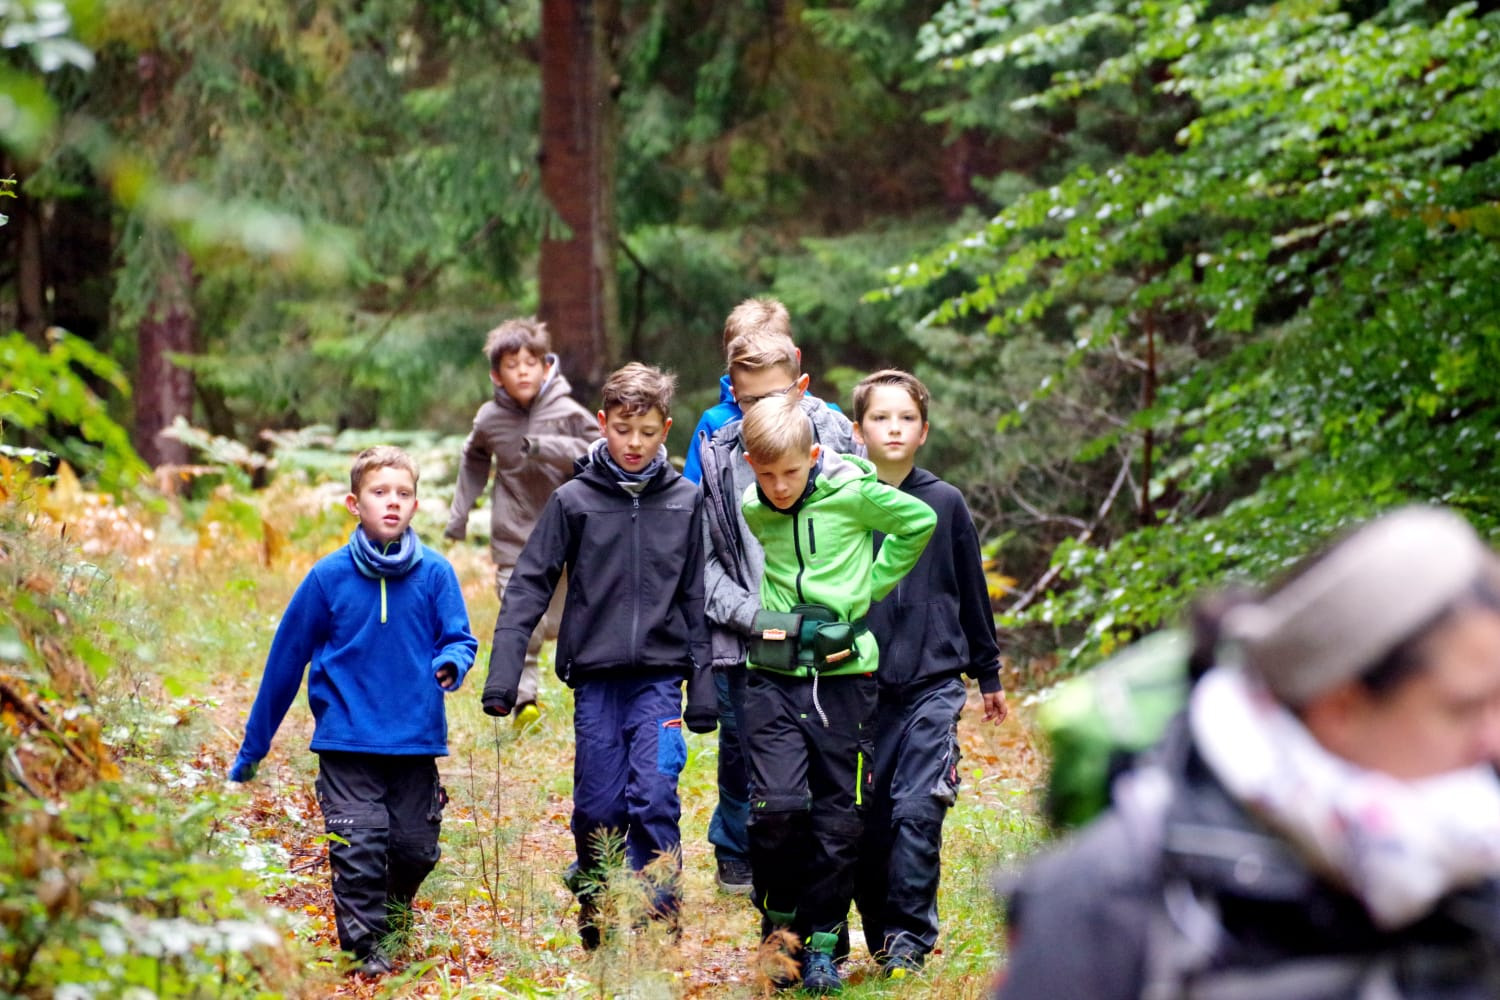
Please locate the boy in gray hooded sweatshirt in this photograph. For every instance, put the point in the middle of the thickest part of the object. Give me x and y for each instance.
(530, 433)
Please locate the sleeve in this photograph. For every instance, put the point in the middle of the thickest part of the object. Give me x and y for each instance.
(692, 463)
(302, 630)
(907, 524)
(690, 593)
(532, 583)
(1077, 923)
(559, 451)
(473, 476)
(725, 601)
(975, 615)
(455, 644)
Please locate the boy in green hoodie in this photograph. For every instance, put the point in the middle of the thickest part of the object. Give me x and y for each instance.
(811, 692)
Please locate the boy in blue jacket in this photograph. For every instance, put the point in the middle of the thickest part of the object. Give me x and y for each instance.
(934, 628)
(628, 529)
(383, 626)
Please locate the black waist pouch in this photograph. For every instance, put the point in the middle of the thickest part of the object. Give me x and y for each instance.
(776, 640)
(826, 642)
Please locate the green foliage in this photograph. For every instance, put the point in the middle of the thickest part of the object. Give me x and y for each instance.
(120, 888)
(1297, 277)
(42, 391)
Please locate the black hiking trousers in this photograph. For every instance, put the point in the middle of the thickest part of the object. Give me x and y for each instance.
(916, 780)
(387, 812)
(809, 780)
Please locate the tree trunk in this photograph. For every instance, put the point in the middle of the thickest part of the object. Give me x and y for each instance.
(31, 288)
(577, 270)
(163, 391)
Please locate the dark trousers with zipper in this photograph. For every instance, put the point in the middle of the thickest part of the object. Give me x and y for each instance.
(628, 752)
(808, 747)
(387, 813)
(916, 781)
(727, 827)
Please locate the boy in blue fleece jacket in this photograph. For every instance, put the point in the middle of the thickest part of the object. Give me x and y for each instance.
(382, 623)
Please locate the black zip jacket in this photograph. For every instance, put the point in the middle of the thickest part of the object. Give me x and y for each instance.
(635, 586)
(938, 622)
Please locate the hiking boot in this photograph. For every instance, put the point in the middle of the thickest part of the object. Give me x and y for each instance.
(734, 876)
(527, 715)
(901, 965)
(819, 974)
(589, 934)
(373, 965)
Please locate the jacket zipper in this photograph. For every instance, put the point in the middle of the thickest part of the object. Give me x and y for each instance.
(812, 541)
(797, 549)
(635, 555)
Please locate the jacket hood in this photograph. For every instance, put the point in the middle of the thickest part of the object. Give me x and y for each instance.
(726, 390)
(917, 480)
(594, 467)
(832, 473)
(553, 385)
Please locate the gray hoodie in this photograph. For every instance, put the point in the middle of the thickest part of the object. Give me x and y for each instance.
(532, 451)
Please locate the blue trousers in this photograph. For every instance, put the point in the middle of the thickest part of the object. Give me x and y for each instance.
(916, 780)
(727, 828)
(629, 750)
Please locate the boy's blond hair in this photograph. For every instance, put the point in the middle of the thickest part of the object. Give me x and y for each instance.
(527, 333)
(757, 316)
(381, 456)
(905, 381)
(775, 428)
(636, 389)
(753, 352)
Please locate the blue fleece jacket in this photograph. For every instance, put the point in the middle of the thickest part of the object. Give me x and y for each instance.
(372, 686)
(716, 416)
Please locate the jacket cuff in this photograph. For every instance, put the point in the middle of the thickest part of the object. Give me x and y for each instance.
(989, 682)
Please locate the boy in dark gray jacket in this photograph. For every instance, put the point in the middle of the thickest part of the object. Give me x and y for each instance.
(628, 531)
(934, 628)
(762, 363)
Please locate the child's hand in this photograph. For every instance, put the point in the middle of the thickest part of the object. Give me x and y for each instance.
(995, 708)
(447, 677)
(243, 769)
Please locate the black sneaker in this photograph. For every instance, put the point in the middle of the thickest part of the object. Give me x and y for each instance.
(819, 974)
(734, 876)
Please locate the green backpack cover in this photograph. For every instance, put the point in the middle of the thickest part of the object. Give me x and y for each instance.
(1098, 722)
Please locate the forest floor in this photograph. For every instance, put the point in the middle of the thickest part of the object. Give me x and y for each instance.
(494, 919)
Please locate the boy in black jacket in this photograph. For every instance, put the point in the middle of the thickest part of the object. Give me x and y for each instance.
(935, 627)
(628, 529)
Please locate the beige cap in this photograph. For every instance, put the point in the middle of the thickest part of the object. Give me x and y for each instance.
(1373, 589)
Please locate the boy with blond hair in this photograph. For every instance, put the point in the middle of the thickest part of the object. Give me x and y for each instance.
(761, 365)
(530, 433)
(628, 532)
(383, 626)
(810, 695)
(936, 627)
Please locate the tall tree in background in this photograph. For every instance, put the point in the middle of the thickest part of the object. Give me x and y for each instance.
(579, 301)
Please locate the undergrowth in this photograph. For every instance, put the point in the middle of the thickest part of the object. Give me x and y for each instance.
(139, 634)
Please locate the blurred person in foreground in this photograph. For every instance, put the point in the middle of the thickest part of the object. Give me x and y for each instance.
(1323, 821)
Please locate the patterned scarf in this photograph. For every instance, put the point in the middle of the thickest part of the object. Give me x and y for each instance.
(630, 482)
(1397, 846)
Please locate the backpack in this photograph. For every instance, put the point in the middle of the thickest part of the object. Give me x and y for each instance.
(1099, 722)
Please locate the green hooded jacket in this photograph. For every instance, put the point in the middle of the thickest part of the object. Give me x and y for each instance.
(822, 551)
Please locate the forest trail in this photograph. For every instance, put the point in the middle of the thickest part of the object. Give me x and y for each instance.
(495, 911)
